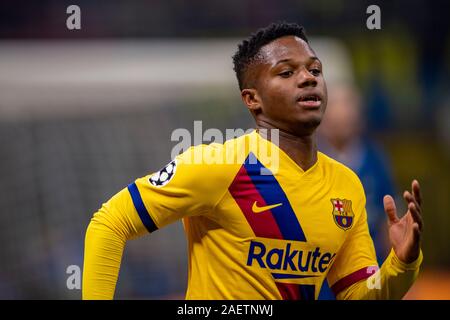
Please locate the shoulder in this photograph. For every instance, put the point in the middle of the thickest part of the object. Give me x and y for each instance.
(215, 154)
(211, 163)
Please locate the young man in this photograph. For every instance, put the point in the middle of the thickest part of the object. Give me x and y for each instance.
(262, 227)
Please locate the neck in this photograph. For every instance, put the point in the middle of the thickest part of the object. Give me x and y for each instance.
(302, 149)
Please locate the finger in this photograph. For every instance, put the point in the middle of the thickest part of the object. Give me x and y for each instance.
(416, 191)
(409, 198)
(390, 209)
(415, 214)
(416, 234)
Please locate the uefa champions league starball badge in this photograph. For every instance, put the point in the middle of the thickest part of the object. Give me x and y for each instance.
(163, 176)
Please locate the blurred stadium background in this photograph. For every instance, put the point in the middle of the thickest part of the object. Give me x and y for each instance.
(83, 113)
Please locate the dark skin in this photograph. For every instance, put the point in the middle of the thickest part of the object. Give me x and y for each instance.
(288, 71)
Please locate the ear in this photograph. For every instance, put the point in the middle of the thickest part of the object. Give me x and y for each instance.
(251, 100)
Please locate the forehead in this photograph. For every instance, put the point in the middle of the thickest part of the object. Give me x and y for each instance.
(286, 47)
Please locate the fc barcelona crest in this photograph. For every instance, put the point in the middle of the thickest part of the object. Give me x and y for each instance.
(342, 213)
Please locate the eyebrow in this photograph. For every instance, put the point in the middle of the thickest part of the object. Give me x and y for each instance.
(288, 60)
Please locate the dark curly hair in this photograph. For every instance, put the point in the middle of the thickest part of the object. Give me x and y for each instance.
(248, 50)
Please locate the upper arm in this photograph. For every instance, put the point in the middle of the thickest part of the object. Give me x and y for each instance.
(187, 186)
(119, 215)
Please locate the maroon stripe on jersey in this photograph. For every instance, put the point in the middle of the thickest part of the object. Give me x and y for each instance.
(245, 194)
(352, 278)
(289, 291)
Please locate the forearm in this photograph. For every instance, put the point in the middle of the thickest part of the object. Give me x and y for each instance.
(391, 281)
(103, 255)
(110, 228)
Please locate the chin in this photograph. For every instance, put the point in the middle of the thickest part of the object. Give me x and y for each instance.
(309, 125)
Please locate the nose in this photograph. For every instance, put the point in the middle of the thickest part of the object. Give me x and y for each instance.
(306, 79)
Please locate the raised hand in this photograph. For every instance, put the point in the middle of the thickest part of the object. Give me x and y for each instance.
(405, 232)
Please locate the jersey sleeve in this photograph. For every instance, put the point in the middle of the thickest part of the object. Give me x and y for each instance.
(356, 259)
(110, 227)
(190, 185)
(355, 273)
(391, 281)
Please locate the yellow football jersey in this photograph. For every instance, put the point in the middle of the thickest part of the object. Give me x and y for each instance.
(258, 226)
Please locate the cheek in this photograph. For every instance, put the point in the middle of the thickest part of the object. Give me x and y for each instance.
(322, 85)
(271, 94)
(278, 93)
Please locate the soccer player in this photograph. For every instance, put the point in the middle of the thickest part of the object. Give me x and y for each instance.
(263, 227)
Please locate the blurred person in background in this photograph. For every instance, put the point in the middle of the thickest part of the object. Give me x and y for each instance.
(342, 136)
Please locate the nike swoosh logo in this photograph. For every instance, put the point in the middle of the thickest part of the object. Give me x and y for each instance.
(257, 209)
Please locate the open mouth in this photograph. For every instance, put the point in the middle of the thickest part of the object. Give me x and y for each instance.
(310, 101)
(310, 98)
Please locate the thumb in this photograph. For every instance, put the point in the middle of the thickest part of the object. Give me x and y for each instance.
(390, 209)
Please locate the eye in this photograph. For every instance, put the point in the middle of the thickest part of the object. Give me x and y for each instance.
(286, 74)
(315, 72)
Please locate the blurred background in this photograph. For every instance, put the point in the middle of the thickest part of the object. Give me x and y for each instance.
(85, 112)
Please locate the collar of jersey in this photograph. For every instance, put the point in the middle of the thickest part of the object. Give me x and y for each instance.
(285, 157)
